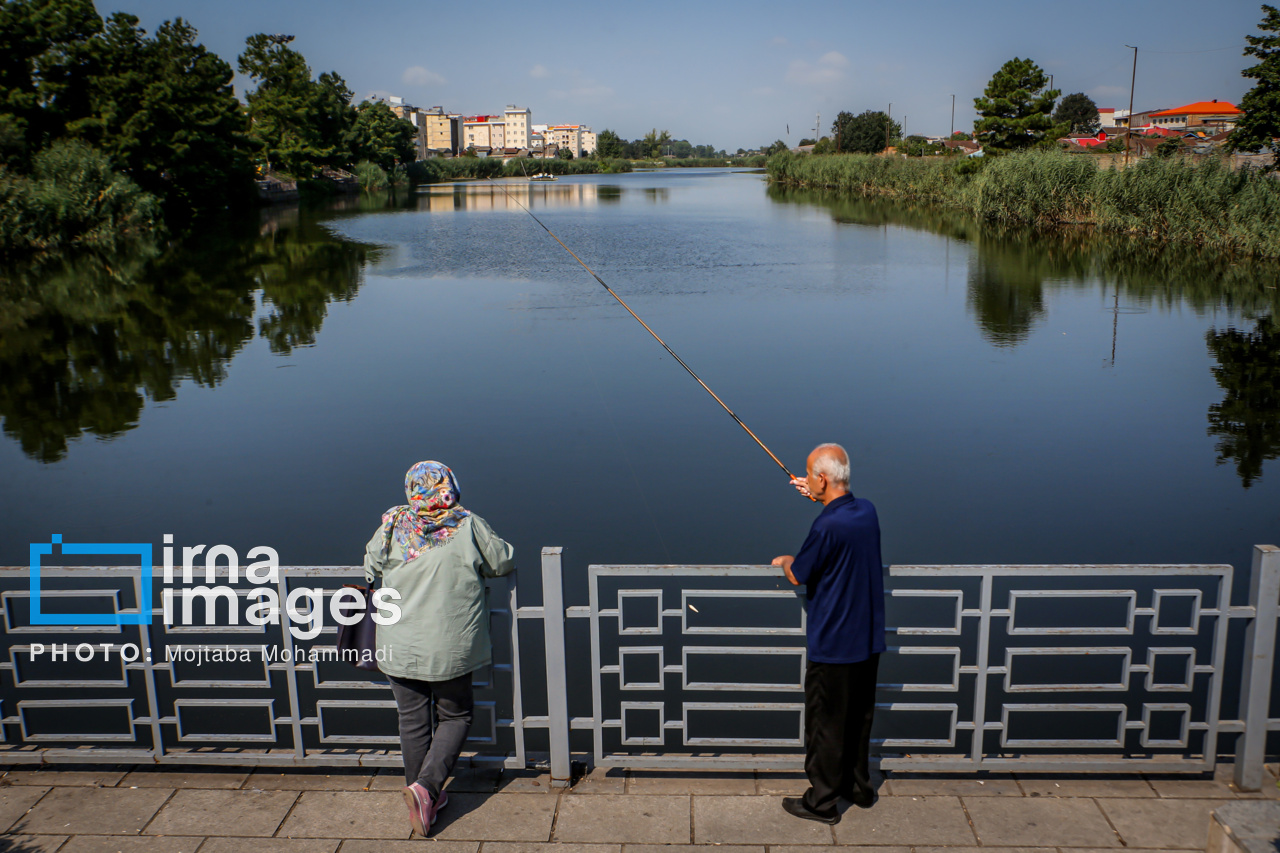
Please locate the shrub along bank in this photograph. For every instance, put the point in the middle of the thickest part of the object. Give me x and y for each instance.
(1201, 202)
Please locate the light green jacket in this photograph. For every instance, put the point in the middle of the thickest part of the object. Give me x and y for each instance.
(443, 630)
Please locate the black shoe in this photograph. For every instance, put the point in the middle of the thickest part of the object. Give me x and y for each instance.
(862, 799)
(795, 806)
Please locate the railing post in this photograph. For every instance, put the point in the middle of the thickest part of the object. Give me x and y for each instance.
(557, 684)
(1259, 657)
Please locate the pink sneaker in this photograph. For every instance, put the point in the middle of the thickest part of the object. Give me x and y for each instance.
(441, 802)
(421, 809)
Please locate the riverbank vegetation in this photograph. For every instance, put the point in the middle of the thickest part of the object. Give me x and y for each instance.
(1179, 200)
(161, 112)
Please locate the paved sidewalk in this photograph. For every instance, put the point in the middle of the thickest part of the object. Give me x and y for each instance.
(148, 810)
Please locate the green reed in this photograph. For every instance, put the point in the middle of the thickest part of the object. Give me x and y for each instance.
(1184, 200)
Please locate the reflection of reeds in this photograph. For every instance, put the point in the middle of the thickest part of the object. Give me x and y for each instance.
(1146, 272)
(1201, 203)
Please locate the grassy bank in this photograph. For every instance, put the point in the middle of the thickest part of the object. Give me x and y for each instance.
(1202, 203)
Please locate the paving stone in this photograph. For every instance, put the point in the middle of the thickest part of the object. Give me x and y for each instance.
(691, 782)
(310, 780)
(700, 848)
(955, 785)
(979, 850)
(67, 775)
(803, 848)
(525, 782)
(1174, 823)
(1128, 785)
(213, 812)
(387, 780)
(602, 780)
(535, 847)
(347, 814)
(364, 845)
(752, 820)
(214, 777)
(917, 821)
(495, 817)
(31, 843)
(782, 784)
(625, 818)
(1190, 787)
(1031, 822)
(94, 811)
(1225, 773)
(127, 844)
(14, 803)
(479, 780)
(273, 845)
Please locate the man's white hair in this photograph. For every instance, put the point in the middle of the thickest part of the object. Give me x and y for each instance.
(834, 465)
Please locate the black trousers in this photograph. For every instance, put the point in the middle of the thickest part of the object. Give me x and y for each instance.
(839, 702)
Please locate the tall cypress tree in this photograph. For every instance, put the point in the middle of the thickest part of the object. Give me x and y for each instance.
(1015, 108)
(1258, 128)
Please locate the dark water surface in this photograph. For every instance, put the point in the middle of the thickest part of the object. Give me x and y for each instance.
(1005, 398)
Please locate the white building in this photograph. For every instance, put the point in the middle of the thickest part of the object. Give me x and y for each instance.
(519, 126)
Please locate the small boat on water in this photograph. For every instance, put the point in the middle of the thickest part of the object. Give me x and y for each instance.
(543, 176)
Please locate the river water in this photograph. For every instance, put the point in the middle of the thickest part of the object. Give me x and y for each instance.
(1005, 398)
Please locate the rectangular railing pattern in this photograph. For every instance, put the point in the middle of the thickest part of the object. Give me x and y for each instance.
(219, 693)
(1037, 668)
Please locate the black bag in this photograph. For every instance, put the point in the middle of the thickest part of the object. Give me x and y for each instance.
(358, 643)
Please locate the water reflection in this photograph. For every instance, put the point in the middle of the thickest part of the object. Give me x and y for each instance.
(83, 345)
(511, 195)
(1010, 271)
(1247, 421)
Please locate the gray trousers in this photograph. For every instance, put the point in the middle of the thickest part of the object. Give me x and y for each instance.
(429, 757)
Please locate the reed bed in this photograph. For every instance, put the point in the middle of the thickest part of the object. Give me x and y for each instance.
(1198, 202)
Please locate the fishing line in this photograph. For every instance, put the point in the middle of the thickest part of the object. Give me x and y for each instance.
(695, 376)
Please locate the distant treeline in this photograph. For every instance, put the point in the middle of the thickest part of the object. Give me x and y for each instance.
(1180, 200)
(654, 144)
(462, 168)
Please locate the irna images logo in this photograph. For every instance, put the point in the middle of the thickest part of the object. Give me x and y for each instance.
(303, 607)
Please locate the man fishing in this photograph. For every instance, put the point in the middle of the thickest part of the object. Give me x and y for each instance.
(840, 565)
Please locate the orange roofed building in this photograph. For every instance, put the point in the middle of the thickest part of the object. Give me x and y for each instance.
(1215, 115)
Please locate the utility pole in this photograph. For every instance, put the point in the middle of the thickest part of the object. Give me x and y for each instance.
(1050, 81)
(1128, 137)
(953, 116)
(817, 127)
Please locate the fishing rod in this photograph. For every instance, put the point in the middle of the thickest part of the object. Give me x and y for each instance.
(695, 376)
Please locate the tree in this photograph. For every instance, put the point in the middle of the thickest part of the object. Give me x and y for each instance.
(382, 137)
(609, 145)
(283, 107)
(565, 153)
(778, 146)
(335, 119)
(43, 70)
(164, 110)
(1258, 128)
(960, 135)
(1015, 108)
(1078, 113)
(653, 142)
(806, 141)
(823, 146)
(865, 133)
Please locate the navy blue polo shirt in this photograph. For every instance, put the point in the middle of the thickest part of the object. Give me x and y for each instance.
(840, 565)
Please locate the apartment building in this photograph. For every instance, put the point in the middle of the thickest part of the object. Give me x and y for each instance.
(588, 141)
(484, 133)
(518, 128)
(564, 136)
(441, 132)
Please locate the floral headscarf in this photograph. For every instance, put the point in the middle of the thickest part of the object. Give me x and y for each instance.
(432, 515)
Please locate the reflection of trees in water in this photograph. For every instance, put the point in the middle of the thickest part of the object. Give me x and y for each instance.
(82, 345)
(1010, 270)
(1247, 421)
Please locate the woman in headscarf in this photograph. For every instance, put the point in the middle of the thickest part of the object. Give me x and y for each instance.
(436, 555)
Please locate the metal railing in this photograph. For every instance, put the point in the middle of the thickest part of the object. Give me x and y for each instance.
(1033, 668)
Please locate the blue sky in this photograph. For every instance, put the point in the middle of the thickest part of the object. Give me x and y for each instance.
(737, 74)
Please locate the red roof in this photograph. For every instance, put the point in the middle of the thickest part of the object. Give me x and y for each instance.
(1213, 108)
